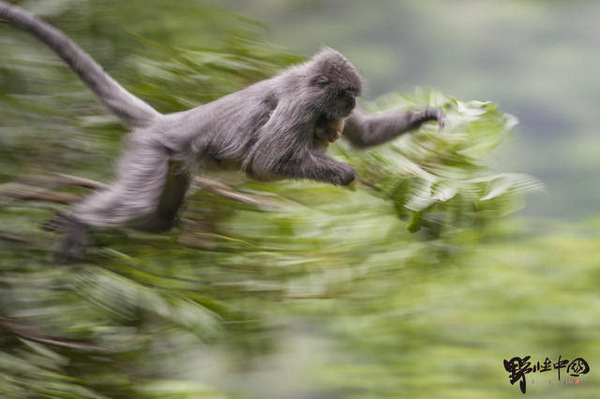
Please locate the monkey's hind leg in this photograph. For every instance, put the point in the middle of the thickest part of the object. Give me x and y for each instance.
(134, 196)
(173, 194)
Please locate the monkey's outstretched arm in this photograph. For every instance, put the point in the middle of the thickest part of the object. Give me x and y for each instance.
(365, 131)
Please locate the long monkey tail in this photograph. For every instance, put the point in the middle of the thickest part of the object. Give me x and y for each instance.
(133, 111)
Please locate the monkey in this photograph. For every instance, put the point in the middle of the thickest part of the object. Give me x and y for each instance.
(278, 128)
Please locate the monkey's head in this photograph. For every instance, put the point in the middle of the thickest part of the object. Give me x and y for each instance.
(334, 84)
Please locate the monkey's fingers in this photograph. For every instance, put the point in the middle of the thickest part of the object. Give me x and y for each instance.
(441, 118)
(435, 114)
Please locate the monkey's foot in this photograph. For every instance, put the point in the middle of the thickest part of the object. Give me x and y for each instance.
(73, 244)
(56, 224)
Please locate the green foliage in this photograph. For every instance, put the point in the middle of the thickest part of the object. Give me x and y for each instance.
(440, 178)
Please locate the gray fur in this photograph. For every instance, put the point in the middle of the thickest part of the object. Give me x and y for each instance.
(276, 128)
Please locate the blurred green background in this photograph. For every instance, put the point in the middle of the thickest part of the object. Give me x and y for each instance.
(417, 283)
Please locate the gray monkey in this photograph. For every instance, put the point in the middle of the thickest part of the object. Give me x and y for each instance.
(276, 128)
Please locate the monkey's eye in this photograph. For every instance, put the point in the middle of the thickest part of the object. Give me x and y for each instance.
(350, 103)
(321, 81)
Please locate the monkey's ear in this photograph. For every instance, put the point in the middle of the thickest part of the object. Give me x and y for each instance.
(321, 81)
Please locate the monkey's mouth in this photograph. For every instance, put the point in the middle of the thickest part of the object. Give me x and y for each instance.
(337, 127)
(329, 129)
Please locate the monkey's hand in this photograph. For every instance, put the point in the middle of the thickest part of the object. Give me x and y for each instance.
(320, 167)
(343, 176)
(434, 114)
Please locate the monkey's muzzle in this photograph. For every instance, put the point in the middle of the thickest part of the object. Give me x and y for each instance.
(336, 127)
